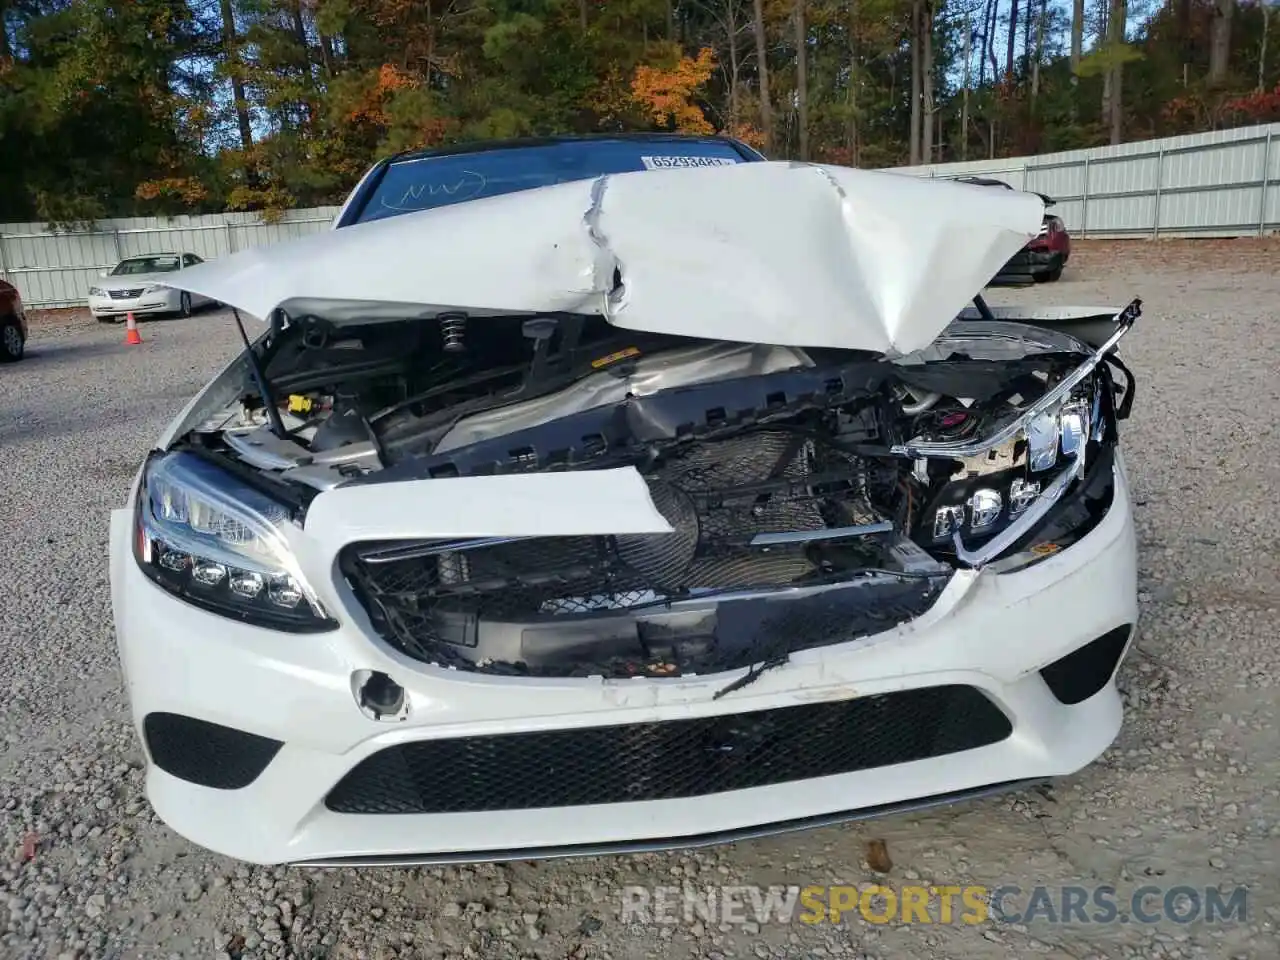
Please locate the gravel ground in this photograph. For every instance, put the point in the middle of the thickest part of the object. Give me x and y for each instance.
(1187, 796)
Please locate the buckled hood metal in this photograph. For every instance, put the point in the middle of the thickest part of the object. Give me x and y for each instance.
(773, 252)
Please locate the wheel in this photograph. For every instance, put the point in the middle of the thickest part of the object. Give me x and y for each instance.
(1052, 275)
(184, 304)
(12, 343)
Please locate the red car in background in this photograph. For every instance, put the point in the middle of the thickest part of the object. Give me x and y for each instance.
(1043, 258)
(13, 324)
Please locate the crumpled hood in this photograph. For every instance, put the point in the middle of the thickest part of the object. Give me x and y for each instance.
(772, 252)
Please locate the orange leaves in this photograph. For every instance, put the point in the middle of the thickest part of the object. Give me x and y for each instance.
(272, 201)
(748, 134)
(187, 189)
(391, 77)
(387, 80)
(666, 95)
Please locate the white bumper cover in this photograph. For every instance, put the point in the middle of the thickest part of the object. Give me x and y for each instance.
(165, 300)
(989, 630)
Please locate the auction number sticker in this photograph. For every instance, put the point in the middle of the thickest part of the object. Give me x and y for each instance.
(668, 163)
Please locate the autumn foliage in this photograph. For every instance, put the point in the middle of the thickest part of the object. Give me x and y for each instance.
(123, 107)
(668, 95)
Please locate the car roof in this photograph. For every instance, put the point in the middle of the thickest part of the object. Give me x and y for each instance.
(485, 146)
(358, 197)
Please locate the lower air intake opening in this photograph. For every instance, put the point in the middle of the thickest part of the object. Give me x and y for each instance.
(670, 759)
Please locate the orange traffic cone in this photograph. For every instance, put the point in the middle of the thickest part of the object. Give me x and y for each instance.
(131, 330)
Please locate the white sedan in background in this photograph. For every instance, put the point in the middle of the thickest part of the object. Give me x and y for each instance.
(139, 285)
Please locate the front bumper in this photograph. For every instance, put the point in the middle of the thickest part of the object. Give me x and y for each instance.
(990, 631)
(160, 301)
(1029, 263)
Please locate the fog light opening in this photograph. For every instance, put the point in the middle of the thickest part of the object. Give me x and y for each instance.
(379, 697)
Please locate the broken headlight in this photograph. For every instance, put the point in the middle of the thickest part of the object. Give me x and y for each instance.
(1014, 474)
(218, 543)
(998, 494)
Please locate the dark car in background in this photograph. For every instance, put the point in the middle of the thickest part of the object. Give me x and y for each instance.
(1042, 259)
(13, 324)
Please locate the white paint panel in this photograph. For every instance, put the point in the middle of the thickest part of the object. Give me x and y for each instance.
(790, 254)
(572, 503)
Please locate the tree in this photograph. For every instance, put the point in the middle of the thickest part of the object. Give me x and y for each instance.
(1077, 39)
(1038, 57)
(762, 70)
(802, 77)
(1262, 45)
(1220, 41)
(668, 95)
(917, 66)
(927, 80)
(126, 107)
(964, 109)
(1013, 34)
(1115, 36)
(234, 69)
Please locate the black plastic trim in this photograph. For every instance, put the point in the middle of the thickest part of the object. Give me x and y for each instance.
(1085, 671)
(206, 754)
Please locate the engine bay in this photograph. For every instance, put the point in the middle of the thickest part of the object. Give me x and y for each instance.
(849, 484)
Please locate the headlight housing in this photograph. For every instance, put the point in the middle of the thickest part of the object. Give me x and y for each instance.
(154, 288)
(97, 292)
(1019, 471)
(218, 543)
(997, 496)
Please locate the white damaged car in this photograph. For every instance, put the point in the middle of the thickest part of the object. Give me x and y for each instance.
(614, 511)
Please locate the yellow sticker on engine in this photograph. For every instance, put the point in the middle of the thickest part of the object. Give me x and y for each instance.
(615, 357)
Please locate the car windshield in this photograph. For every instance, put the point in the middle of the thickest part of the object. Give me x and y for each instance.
(162, 263)
(427, 182)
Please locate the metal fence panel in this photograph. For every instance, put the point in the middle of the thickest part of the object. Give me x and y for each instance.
(56, 269)
(1220, 183)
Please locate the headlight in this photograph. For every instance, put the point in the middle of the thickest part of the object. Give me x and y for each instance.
(1007, 488)
(1018, 471)
(154, 288)
(219, 544)
(96, 292)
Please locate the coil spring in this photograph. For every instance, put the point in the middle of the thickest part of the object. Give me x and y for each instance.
(453, 327)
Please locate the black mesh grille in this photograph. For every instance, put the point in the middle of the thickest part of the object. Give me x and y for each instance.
(204, 753)
(1083, 672)
(669, 759)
